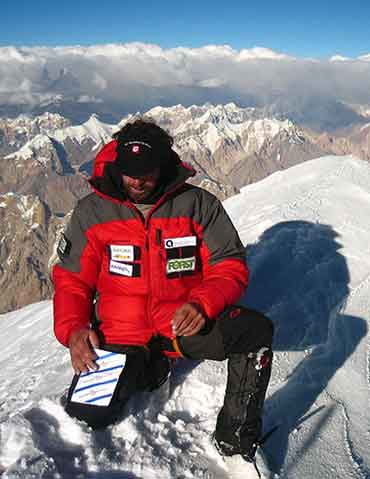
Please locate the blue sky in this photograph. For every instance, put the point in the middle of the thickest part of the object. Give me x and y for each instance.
(315, 28)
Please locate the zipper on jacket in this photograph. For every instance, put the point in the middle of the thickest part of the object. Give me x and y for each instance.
(146, 239)
(149, 297)
(145, 224)
(158, 236)
(158, 240)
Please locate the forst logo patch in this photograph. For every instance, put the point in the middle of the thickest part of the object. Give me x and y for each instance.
(179, 265)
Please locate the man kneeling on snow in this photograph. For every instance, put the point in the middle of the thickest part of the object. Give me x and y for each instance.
(150, 266)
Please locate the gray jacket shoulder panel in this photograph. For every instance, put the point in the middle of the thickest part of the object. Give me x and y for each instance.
(93, 210)
(206, 209)
(90, 211)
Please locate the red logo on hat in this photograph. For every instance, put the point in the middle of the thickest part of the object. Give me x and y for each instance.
(136, 149)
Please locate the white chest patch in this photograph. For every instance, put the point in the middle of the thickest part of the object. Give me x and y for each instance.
(120, 268)
(121, 252)
(170, 243)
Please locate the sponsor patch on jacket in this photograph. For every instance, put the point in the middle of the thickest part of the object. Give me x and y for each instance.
(122, 252)
(64, 246)
(121, 268)
(180, 265)
(181, 242)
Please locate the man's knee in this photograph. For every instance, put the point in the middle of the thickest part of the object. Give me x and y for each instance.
(245, 330)
(236, 330)
(261, 323)
(208, 344)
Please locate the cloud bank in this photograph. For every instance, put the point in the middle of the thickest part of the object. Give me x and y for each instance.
(137, 76)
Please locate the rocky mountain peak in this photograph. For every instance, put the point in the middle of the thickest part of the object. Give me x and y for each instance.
(14, 133)
(27, 236)
(27, 208)
(32, 150)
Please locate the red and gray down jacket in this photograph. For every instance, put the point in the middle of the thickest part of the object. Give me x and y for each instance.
(135, 273)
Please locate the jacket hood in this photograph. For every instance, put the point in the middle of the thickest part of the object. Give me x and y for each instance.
(107, 177)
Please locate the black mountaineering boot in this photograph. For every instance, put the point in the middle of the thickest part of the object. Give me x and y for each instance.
(239, 423)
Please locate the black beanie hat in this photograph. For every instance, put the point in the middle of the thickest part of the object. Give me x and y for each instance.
(140, 156)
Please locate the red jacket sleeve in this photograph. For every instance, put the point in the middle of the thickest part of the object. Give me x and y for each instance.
(74, 279)
(225, 274)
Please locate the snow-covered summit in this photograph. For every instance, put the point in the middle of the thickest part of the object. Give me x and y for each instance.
(306, 233)
(93, 133)
(16, 132)
(229, 123)
(32, 148)
(37, 124)
(178, 115)
(227, 130)
(93, 129)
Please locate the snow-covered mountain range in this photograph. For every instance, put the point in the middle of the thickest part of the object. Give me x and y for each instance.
(306, 234)
(229, 146)
(203, 134)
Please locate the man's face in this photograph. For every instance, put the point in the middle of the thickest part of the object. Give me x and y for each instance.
(140, 187)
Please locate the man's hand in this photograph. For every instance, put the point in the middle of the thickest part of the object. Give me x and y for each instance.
(188, 319)
(80, 349)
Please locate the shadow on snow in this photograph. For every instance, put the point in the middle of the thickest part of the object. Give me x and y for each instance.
(301, 281)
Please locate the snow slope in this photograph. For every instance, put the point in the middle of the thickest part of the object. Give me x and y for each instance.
(306, 231)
